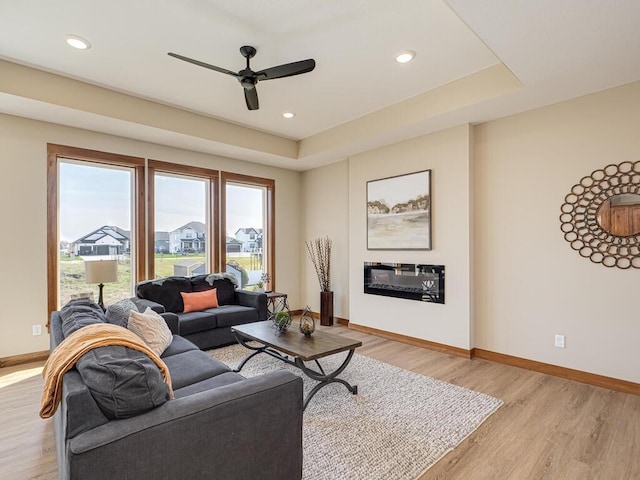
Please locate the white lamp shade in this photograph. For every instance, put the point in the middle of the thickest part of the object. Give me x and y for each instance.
(101, 271)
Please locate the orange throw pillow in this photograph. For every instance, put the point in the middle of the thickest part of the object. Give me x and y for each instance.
(194, 302)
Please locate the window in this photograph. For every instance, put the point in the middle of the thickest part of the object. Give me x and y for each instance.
(96, 210)
(93, 214)
(181, 199)
(248, 223)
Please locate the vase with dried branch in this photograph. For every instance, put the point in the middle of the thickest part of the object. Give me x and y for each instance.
(319, 251)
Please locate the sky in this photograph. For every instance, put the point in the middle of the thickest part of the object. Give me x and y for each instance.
(398, 189)
(91, 197)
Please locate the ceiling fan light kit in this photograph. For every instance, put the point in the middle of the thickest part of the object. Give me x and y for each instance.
(248, 78)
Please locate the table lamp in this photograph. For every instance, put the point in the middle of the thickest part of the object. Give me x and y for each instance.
(101, 272)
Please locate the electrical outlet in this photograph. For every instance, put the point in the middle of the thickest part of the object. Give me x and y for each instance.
(36, 329)
(559, 341)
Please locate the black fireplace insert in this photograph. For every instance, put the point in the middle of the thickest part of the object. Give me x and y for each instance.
(405, 280)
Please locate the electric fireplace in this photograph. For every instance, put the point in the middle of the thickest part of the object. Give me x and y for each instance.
(405, 280)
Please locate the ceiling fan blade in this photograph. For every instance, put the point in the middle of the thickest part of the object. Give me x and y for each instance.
(202, 64)
(287, 70)
(251, 97)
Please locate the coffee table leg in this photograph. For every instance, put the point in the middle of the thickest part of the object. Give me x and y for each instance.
(325, 379)
(256, 350)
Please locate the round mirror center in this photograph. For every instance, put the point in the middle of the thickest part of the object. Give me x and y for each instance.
(620, 215)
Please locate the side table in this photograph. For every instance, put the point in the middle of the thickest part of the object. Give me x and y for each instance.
(276, 302)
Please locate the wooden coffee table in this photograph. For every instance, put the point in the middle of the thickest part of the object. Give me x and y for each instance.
(300, 348)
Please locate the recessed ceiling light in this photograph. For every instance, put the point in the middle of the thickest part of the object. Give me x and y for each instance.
(288, 114)
(77, 42)
(405, 57)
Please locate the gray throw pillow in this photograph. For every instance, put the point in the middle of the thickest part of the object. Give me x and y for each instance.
(123, 382)
(118, 313)
(80, 313)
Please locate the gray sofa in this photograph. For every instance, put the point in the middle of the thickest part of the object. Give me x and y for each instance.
(115, 419)
(208, 328)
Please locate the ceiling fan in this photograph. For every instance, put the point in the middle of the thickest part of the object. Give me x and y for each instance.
(248, 78)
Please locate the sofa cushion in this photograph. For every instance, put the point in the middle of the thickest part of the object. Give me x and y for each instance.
(80, 313)
(214, 382)
(178, 345)
(194, 322)
(231, 315)
(225, 290)
(123, 382)
(165, 291)
(151, 328)
(118, 313)
(191, 367)
(196, 301)
(199, 283)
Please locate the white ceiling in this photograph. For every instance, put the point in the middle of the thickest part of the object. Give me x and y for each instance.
(557, 49)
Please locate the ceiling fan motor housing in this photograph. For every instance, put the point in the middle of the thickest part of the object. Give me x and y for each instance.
(248, 79)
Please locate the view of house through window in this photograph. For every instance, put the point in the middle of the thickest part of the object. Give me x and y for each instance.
(245, 233)
(181, 240)
(95, 224)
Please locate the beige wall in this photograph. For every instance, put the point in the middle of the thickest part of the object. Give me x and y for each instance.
(446, 153)
(530, 285)
(23, 201)
(512, 280)
(325, 213)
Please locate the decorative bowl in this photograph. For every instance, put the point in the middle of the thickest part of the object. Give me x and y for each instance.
(307, 322)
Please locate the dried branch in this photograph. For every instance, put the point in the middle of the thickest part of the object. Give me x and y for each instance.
(319, 251)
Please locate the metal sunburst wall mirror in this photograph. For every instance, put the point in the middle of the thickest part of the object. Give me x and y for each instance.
(601, 216)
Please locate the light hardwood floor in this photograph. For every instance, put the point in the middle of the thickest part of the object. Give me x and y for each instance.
(548, 428)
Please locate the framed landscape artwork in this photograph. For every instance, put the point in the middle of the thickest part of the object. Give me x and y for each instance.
(399, 212)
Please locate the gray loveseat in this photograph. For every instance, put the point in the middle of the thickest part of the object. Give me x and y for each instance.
(115, 419)
(207, 328)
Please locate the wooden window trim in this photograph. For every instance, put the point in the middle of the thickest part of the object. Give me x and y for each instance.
(270, 185)
(54, 152)
(154, 166)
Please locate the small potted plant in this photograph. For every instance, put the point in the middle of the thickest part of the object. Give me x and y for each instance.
(281, 320)
(265, 278)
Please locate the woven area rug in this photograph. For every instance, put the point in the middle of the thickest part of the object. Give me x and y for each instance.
(398, 425)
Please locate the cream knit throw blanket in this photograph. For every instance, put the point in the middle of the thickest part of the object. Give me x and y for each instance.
(67, 353)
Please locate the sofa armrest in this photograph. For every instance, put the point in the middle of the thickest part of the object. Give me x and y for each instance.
(143, 303)
(172, 322)
(248, 429)
(257, 300)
